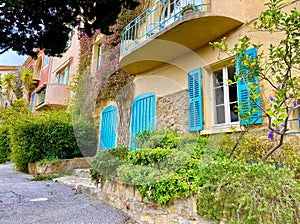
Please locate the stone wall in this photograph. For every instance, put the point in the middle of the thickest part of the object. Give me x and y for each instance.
(60, 166)
(172, 112)
(128, 199)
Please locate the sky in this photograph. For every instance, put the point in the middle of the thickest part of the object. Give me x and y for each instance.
(11, 58)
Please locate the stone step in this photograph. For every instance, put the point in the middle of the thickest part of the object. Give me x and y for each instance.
(82, 173)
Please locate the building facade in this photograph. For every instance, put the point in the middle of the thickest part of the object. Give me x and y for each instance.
(181, 82)
(52, 76)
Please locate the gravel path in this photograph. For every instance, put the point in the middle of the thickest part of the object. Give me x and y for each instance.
(23, 201)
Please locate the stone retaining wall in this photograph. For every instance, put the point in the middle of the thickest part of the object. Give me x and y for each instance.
(60, 166)
(128, 199)
(172, 112)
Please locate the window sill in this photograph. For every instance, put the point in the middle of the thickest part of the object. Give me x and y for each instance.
(222, 129)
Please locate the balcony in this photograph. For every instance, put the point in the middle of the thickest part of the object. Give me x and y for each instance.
(190, 24)
(56, 96)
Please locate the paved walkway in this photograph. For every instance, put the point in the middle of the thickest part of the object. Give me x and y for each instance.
(23, 201)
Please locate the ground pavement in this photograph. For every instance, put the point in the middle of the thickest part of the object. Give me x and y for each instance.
(23, 201)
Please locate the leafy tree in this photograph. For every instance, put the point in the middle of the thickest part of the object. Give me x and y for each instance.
(278, 68)
(29, 24)
(27, 81)
(9, 87)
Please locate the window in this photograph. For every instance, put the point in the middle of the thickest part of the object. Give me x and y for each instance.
(32, 101)
(46, 60)
(225, 96)
(143, 115)
(228, 94)
(99, 58)
(195, 115)
(63, 77)
(108, 129)
(41, 96)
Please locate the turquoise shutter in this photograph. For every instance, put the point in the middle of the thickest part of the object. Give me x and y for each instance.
(245, 103)
(32, 101)
(143, 114)
(57, 78)
(108, 130)
(195, 114)
(66, 75)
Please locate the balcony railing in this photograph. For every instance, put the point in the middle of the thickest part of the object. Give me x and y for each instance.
(158, 17)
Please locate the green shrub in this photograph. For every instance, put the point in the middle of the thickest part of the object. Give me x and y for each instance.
(86, 135)
(4, 143)
(106, 162)
(156, 139)
(148, 156)
(251, 193)
(48, 135)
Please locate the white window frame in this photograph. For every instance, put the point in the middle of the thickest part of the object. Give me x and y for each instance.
(228, 122)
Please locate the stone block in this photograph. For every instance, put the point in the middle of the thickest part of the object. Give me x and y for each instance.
(147, 218)
(161, 219)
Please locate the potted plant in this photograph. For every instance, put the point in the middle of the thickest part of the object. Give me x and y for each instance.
(188, 9)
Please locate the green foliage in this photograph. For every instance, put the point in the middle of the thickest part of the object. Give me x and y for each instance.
(236, 189)
(148, 156)
(86, 135)
(106, 162)
(251, 193)
(4, 143)
(46, 177)
(278, 68)
(156, 139)
(49, 29)
(47, 135)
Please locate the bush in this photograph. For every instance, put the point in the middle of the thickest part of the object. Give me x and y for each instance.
(4, 143)
(48, 135)
(251, 193)
(106, 162)
(156, 139)
(148, 156)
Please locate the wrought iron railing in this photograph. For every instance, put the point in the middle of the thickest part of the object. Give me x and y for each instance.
(158, 17)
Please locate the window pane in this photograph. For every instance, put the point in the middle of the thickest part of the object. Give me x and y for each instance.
(218, 78)
(231, 72)
(232, 93)
(220, 114)
(219, 94)
(233, 112)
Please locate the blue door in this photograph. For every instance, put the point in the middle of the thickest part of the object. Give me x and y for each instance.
(108, 135)
(143, 115)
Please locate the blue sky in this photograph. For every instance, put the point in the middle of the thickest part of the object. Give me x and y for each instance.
(11, 58)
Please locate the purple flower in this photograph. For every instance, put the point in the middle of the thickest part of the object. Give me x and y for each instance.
(271, 135)
(73, 189)
(278, 129)
(295, 103)
(278, 87)
(271, 98)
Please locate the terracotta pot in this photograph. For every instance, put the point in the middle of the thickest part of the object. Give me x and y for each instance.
(188, 11)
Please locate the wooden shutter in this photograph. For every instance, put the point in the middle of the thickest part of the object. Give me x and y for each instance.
(247, 106)
(143, 114)
(195, 113)
(108, 130)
